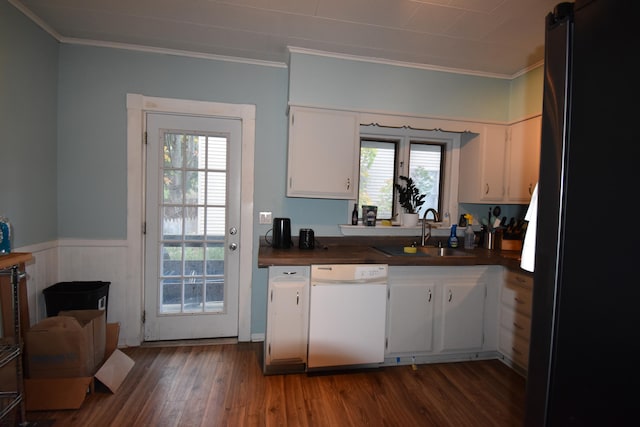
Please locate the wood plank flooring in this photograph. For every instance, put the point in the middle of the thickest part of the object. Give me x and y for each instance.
(223, 385)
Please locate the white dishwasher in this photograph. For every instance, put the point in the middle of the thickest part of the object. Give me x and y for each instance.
(347, 315)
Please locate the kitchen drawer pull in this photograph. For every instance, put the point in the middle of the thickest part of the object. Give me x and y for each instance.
(518, 326)
(518, 300)
(515, 350)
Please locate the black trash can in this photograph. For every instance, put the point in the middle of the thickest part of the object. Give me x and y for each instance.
(76, 296)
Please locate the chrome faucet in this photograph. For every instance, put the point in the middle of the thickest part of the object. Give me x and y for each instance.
(425, 224)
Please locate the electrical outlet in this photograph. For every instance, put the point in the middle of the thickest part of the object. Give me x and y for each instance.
(265, 218)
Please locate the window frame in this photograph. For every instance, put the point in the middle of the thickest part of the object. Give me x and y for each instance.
(403, 136)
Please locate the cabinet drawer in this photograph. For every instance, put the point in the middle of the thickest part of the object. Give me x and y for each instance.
(514, 347)
(516, 322)
(517, 297)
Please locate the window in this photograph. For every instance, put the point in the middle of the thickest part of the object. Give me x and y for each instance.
(386, 153)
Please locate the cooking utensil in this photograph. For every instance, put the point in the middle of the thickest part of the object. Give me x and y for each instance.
(497, 211)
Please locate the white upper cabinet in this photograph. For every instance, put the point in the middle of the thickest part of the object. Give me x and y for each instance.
(501, 164)
(482, 162)
(524, 160)
(324, 147)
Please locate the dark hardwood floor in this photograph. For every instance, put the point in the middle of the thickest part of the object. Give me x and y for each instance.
(223, 385)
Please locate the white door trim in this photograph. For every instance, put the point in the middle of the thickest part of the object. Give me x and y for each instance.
(137, 105)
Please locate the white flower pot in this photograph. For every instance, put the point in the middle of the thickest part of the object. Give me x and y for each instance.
(409, 219)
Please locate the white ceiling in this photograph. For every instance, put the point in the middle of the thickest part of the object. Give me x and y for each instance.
(493, 37)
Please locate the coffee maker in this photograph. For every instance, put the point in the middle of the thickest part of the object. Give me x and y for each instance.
(281, 233)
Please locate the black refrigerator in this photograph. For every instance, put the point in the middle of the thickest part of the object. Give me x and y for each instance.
(583, 362)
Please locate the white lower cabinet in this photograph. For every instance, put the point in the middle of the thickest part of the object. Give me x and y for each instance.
(285, 348)
(442, 313)
(410, 316)
(463, 313)
(515, 318)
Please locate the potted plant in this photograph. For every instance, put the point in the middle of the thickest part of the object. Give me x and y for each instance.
(410, 199)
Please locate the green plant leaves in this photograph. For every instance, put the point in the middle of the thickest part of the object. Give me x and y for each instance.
(409, 196)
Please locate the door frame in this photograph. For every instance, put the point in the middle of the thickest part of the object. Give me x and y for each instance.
(137, 106)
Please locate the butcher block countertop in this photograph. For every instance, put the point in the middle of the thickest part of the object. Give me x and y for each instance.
(14, 258)
(362, 250)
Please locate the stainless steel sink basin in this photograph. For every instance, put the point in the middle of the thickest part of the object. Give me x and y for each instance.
(424, 251)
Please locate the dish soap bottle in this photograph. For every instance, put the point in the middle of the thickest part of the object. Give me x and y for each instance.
(453, 238)
(354, 215)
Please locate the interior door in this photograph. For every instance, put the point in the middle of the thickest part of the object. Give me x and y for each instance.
(192, 211)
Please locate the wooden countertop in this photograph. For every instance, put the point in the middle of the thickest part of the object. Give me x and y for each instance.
(361, 250)
(14, 258)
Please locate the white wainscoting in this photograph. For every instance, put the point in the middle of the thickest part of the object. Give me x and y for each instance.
(87, 260)
(42, 272)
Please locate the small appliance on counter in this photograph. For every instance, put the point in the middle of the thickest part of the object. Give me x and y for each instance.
(281, 233)
(306, 239)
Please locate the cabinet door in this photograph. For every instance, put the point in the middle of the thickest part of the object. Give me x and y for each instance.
(287, 315)
(463, 314)
(324, 149)
(410, 324)
(482, 162)
(524, 160)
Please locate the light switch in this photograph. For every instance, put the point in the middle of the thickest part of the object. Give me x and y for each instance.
(265, 218)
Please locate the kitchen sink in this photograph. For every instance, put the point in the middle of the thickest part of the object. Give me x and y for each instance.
(424, 251)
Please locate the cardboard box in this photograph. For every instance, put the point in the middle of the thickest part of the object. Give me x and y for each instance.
(45, 394)
(8, 371)
(65, 346)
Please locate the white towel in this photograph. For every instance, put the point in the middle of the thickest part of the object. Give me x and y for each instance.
(527, 260)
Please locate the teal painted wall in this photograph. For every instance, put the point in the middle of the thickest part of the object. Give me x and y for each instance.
(525, 97)
(28, 126)
(369, 86)
(92, 126)
(92, 134)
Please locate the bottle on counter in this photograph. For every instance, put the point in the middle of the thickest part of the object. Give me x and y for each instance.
(469, 237)
(453, 238)
(354, 215)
